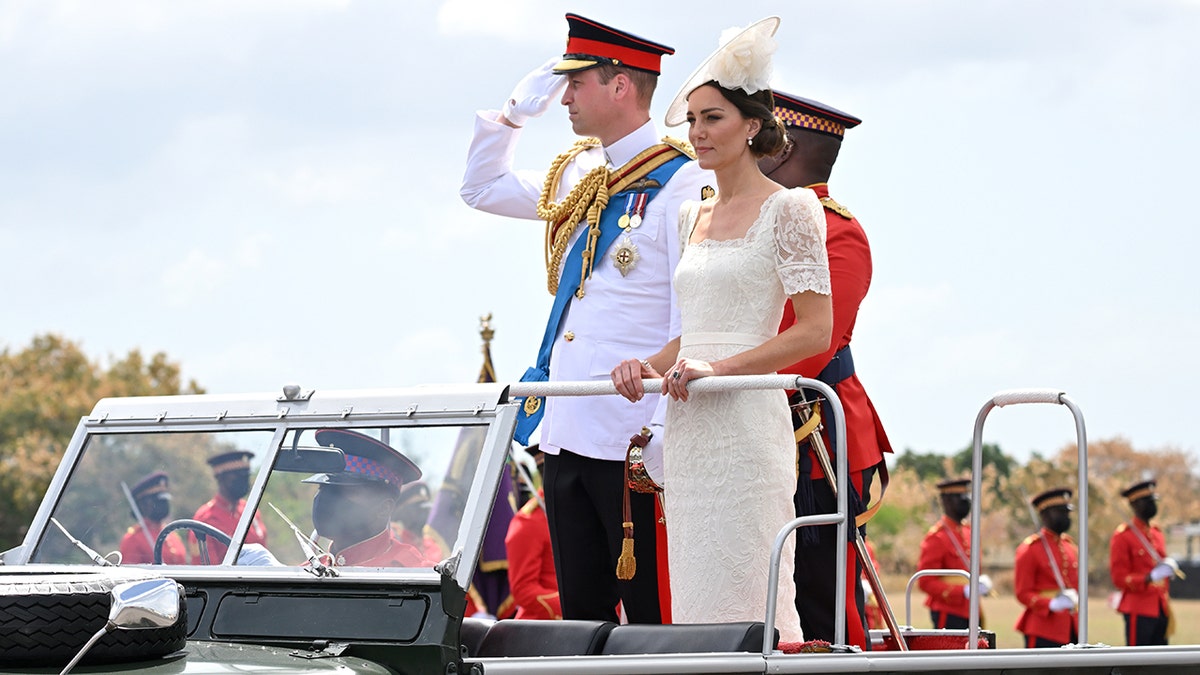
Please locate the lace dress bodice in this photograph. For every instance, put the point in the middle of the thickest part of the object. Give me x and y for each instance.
(740, 285)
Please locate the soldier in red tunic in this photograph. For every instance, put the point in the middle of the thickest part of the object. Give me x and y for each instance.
(232, 472)
(1141, 570)
(947, 546)
(1046, 575)
(815, 132)
(353, 507)
(530, 559)
(153, 499)
(411, 516)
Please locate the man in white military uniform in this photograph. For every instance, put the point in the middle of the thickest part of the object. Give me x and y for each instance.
(611, 207)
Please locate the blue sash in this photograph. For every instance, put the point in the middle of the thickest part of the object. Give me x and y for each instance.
(530, 413)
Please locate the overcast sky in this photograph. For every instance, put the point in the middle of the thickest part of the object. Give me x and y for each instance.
(267, 191)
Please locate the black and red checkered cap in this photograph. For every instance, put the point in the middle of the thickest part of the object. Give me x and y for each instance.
(368, 460)
(591, 43)
(805, 113)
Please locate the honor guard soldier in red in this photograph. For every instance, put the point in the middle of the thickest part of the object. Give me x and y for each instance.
(530, 559)
(1141, 570)
(153, 499)
(610, 209)
(353, 507)
(1046, 574)
(947, 546)
(411, 516)
(232, 473)
(815, 132)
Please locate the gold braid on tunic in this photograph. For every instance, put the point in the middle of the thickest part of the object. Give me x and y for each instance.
(587, 199)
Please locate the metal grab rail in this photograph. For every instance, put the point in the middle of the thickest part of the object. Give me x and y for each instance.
(1015, 397)
(742, 383)
(926, 573)
(703, 384)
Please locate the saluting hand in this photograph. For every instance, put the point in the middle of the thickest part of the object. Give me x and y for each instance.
(533, 94)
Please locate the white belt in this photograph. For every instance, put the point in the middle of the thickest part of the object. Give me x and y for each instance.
(743, 339)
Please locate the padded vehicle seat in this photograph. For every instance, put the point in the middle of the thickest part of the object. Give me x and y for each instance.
(513, 637)
(472, 632)
(686, 638)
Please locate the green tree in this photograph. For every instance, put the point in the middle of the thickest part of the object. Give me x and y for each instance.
(45, 389)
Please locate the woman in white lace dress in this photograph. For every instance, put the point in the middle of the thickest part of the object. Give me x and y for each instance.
(730, 458)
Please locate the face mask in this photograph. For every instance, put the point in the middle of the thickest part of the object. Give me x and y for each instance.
(157, 510)
(1145, 509)
(960, 509)
(236, 484)
(1059, 521)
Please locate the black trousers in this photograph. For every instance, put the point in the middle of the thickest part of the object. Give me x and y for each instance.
(1145, 630)
(816, 572)
(1035, 642)
(948, 620)
(583, 504)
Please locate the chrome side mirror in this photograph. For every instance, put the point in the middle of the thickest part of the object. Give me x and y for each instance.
(136, 605)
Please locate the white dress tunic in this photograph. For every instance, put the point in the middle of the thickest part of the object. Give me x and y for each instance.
(730, 457)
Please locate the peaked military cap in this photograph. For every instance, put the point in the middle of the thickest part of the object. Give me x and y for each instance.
(591, 43)
(156, 483)
(368, 460)
(805, 113)
(1052, 497)
(230, 461)
(955, 486)
(1139, 490)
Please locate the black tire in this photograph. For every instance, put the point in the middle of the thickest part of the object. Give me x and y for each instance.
(45, 619)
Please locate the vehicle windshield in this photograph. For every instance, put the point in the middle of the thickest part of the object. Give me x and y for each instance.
(350, 496)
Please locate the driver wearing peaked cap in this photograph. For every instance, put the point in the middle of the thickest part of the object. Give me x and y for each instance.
(152, 497)
(353, 507)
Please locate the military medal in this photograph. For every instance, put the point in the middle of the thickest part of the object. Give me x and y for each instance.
(639, 207)
(623, 221)
(626, 256)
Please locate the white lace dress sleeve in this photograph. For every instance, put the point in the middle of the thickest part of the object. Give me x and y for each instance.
(687, 221)
(801, 259)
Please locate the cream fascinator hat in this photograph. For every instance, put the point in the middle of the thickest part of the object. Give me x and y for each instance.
(743, 61)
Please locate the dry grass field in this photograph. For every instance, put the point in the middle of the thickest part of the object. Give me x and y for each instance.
(1001, 611)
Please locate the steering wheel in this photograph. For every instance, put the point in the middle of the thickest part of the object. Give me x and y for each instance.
(201, 529)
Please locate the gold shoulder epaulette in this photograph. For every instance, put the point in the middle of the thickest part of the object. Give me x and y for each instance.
(1030, 539)
(529, 507)
(934, 528)
(831, 204)
(682, 146)
(1122, 527)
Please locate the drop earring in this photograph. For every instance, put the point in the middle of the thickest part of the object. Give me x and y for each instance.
(750, 142)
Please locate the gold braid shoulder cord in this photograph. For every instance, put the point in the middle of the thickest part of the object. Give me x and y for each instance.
(570, 211)
(587, 199)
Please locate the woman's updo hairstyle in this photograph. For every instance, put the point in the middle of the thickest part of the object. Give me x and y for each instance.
(771, 137)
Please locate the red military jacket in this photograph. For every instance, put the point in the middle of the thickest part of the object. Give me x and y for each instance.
(1035, 585)
(531, 564)
(135, 550)
(850, 277)
(224, 515)
(1130, 564)
(382, 550)
(426, 545)
(938, 551)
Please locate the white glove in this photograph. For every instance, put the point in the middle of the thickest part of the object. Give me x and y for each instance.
(867, 592)
(256, 554)
(1163, 570)
(533, 93)
(985, 584)
(1062, 602)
